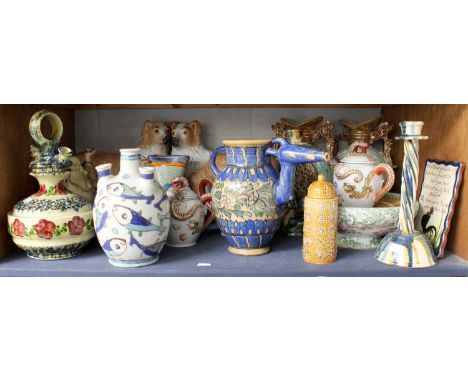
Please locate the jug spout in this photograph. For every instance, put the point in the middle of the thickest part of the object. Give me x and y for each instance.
(290, 155)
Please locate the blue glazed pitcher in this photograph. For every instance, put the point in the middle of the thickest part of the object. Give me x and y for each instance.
(250, 195)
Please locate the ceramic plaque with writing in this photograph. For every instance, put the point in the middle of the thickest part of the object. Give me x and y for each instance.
(439, 192)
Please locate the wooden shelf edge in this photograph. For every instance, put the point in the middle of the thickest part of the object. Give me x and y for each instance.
(227, 106)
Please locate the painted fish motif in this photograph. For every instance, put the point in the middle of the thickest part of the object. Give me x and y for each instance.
(126, 192)
(158, 204)
(149, 250)
(115, 246)
(133, 221)
(101, 213)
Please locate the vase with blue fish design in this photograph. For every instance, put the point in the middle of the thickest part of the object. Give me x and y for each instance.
(249, 195)
(131, 212)
(53, 223)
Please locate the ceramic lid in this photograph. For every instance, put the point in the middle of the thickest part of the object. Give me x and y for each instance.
(321, 189)
(357, 153)
(180, 189)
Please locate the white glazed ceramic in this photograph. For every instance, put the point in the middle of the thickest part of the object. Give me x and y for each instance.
(188, 212)
(358, 180)
(131, 212)
(364, 228)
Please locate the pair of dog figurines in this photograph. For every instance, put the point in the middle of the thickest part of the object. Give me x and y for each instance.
(175, 138)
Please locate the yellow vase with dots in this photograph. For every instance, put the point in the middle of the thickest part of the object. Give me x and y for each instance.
(320, 223)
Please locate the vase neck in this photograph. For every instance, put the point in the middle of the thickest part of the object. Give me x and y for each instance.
(51, 184)
(245, 156)
(129, 162)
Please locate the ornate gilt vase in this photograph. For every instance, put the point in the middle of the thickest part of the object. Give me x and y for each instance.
(368, 132)
(53, 223)
(250, 195)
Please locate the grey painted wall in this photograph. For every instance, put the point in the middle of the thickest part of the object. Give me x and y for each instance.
(109, 130)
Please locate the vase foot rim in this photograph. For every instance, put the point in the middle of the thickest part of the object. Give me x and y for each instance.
(249, 251)
(406, 250)
(175, 245)
(53, 257)
(124, 264)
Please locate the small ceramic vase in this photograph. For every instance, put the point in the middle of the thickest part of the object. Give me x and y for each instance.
(131, 212)
(320, 223)
(168, 167)
(188, 212)
(249, 195)
(358, 179)
(53, 223)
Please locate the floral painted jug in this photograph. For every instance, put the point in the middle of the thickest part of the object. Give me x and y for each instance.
(188, 212)
(249, 195)
(358, 179)
(131, 212)
(54, 223)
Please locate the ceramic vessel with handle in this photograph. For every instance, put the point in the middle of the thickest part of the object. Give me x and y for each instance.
(188, 212)
(358, 179)
(249, 195)
(53, 223)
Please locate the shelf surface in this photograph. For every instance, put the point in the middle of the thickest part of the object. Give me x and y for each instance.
(285, 259)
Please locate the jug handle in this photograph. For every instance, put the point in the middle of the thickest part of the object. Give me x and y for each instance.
(213, 156)
(46, 146)
(380, 169)
(206, 200)
(203, 185)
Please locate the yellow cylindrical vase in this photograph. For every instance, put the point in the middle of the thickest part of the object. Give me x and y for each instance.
(320, 223)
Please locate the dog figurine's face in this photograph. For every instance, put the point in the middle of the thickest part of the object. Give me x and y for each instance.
(186, 134)
(155, 133)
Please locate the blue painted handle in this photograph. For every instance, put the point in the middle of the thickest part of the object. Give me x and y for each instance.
(213, 156)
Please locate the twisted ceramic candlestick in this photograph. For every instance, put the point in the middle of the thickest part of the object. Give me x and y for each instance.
(407, 247)
(408, 186)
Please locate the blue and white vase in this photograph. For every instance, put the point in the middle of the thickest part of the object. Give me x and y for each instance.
(249, 195)
(131, 212)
